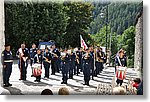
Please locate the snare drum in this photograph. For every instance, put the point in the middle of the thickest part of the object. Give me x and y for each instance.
(37, 71)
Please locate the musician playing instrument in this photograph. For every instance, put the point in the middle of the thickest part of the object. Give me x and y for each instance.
(55, 58)
(72, 59)
(47, 61)
(121, 63)
(23, 55)
(65, 67)
(87, 59)
(99, 60)
(38, 58)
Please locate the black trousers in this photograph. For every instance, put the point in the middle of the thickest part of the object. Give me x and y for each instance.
(119, 81)
(65, 69)
(46, 67)
(23, 70)
(71, 68)
(86, 73)
(7, 72)
(53, 67)
(38, 78)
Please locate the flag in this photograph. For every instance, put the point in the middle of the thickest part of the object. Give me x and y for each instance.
(83, 44)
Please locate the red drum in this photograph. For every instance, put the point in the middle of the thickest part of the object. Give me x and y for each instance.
(121, 72)
(37, 71)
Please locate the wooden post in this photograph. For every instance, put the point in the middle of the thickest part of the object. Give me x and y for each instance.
(2, 37)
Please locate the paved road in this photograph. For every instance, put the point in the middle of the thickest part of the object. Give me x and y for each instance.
(75, 85)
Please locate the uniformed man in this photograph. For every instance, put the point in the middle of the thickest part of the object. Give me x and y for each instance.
(55, 56)
(47, 61)
(72, 59)
(87, 66)
(38, 58)
(93, 61)
(99, 60)
(65, 67)
(7, 59)
(78, 61)
(33, 52)
(23, 55)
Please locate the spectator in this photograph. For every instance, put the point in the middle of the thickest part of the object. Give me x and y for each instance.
(63, 91)
(46, 92)
(119, 91)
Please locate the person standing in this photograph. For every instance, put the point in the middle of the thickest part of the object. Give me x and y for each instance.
(33, 52)
(78, 61)
(47, 61)
(72, 59)
(55, 56)
(65, 67)
(7, 59)
(38, 60)
(120, 61)
(87, 66)
(23, 54)
(93, 61)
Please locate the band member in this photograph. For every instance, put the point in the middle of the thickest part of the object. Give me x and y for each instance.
(86, 67)
(55, 56)
(92, 62)
(23, 54)
(47, 61)
(72, 59)
(78, 61)
(7, 59)
(65, 67)
(120, 61)
(38, 60)
(33, 52)
(99, 60)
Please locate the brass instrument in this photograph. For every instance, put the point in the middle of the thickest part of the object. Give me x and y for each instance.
(55, 55)
(63, 55)
(77, 58)
(86, 55)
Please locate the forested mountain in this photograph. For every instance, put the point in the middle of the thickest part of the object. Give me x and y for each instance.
(121, 15)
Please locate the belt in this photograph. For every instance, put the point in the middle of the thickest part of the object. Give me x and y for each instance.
(8, 61)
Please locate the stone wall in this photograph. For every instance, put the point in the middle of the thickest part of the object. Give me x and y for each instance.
(138, 58)
(2, 37)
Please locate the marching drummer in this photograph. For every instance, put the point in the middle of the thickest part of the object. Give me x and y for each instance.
(121, 63)
(38, 60)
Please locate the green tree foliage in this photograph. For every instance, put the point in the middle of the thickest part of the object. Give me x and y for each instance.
(80, 18)
(121, 15)
(127, 42)
(28, 22)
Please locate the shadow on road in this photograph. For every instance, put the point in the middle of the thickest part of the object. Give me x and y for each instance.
(29, 83)
(13, 90)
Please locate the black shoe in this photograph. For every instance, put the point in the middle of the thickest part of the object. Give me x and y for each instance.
(65, 82)
(84, 84)
(6, 85)
(20, 79)
(62, 82)
(9, 84)
(32, 75)
(35, 80)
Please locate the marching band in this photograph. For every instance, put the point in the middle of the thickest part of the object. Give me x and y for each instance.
(68, 62)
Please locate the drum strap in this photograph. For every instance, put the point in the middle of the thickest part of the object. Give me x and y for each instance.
(119, 60)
